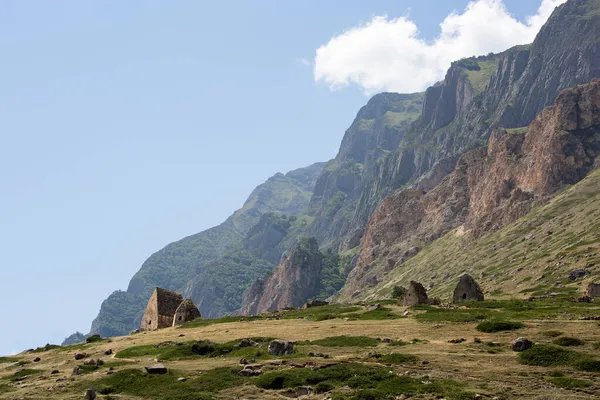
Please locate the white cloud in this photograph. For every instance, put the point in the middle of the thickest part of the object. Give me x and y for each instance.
(304, 61)
(389, 55)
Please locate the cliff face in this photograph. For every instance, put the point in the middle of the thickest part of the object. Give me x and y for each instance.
(376, 131)
(293, 281)
(489, 188)
(481, 94)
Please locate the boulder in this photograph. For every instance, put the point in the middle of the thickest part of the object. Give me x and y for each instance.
(593, 290)
(37, 359)
(90, 394)
(467, 289)
(76, 371)
(157, 369)
(415, 295)
(108, 352)
(80, 356)
(315, 303)
(247, 343)
(578, 274)
(521, 344)
(91, 361)
(280, 347)
(374, 307)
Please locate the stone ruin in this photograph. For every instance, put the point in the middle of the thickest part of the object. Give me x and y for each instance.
(166, 309)
(467, 289)
(187, 311)
(593, 290)
(415, 295)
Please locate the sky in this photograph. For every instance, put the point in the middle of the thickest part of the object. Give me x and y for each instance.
(125, 126)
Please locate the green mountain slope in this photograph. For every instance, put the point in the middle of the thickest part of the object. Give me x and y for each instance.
(177, 263)
(532, 256)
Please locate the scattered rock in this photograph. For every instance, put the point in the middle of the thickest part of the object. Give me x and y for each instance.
(415, 295)
(182, 335)
(181, 379)
(247, 343)
(424, 362)
(578, 274)
(315, 303)
(457, 340)
(37, 359)
(55, 371)
(467, 289)
(321, 355)
(80, 356)
(157, 369)
(280, 348)
(76, 371)
(249, 371)
(243, 361)
(90, 394)
(387, 340)
(374, 307)
(108, 352)
(584, 299)
(91, 361)
(406, 313)
(521, 344)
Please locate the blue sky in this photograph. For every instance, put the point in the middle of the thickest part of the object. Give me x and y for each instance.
(128, 125)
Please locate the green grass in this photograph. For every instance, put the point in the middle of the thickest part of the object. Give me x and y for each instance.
(568, 341)
(499, 326)
(135, 382)
(588, 365)
(547, 355)
(479, 79)
(4, 388)
(367, 382)
(513, 131)
(47, 347)
(8, 360)
(193, 349)
(435, 314)
(383, 313)
(23, 373)
(569, 383)
(345, 341)
(552, 334)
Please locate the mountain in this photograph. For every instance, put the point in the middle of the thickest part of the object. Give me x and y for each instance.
(490, 187)
(176, 264)
(409, 170)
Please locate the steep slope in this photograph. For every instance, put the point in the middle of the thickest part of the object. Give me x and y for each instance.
(377, 129)
(480, 94)
(293, 281)
(177, 263)
(489, 188)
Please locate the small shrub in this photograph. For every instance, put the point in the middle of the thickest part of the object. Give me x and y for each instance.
(547, 355)
(47, 347)
(596, 346)
(570, 383)
(476, 340)
(398, 292)
(94, 339)
(498, 326)
(323, 387)
(588, 365)
(568, 341)
(556, 374)
(8, 360)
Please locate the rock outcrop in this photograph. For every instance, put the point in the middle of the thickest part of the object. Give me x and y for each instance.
(415, 295)
(293, 281)
(467, 290)
(490, 187)
(593, 290)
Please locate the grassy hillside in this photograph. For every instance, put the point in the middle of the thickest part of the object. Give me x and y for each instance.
(342, 352)
(532, 256)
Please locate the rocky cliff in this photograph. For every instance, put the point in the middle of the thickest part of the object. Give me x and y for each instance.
(294, 280)
(489, 188)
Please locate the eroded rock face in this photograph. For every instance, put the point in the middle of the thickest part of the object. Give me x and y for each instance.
(293, 281)
(415, 295)
(467, 289)
(490, 187)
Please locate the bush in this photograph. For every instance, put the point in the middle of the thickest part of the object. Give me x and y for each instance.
(547, 355)
(398, 292)
(588, 365)
(93, 339)
(323, 387)
(498, 326)
(568, 341)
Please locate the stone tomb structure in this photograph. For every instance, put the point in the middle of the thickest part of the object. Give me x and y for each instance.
(467, 289)
(166, 309)
(415, 295)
